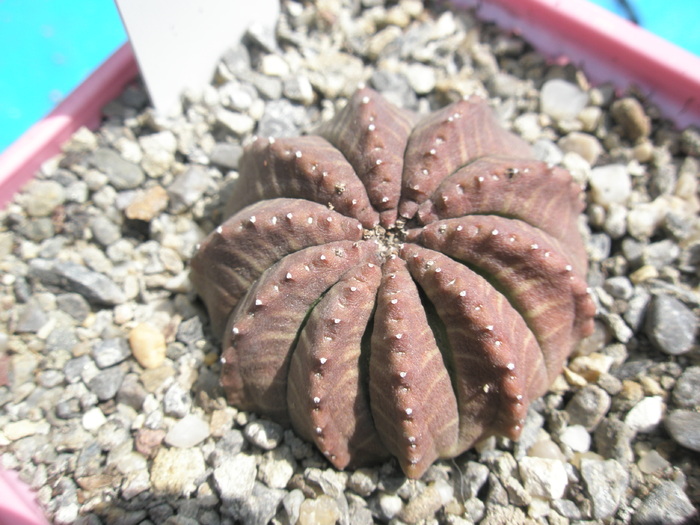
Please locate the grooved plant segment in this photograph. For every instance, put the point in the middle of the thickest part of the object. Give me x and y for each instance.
(398, 284)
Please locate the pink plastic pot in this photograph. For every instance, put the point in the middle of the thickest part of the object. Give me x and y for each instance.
(607, 47)
(82, 107)
(18, 505)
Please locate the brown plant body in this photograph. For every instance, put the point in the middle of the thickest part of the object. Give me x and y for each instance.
(396, 285)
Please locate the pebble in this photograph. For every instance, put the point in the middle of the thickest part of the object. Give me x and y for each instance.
(666, 504)
(686, 392)
(158, 152)
(629, 114)
(147, 345)
(132, 392)
(104, 231)
(562, 100)
(109, 352)
(147, 441)
(472, 479)
(42, 197)
(226, 155)
(390, 505)
(188, 432)
(322, 510)
(542, 477)
(644, 219)
(263, 433)
(121, 174)
(239, 124)
(613, 440)
(188, 188)
(421, 78)
(148, 205)
(427, 503)
(606, 483)
(586, 145)
(299, 89)
(16, 430)
(235, 477)
(576, 437)
(619, 287)
(106, 383)
(261, 506)
(684, 427)
(31, 319)
(93, 419)
(95, 287)
(277, 467)
(177, 471)
(652, 462)
(588, 407)
(670, 325)
(176, 401)
(363, 481)
(610, 184)
(646, 415)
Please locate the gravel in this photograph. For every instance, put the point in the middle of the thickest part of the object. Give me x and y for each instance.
(110, 404)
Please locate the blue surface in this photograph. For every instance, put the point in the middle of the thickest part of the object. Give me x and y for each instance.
(674, 20)
(48, 48)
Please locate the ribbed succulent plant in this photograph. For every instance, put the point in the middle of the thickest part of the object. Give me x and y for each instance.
(396, 284)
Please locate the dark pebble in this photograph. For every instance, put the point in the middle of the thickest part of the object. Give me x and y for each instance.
(588, 406)
(123, 175)
(109, 352)
(686, 393)
(670, 325)
(190, 331)
(667, 504)
(30, 319)
(105, 385)
(226, 155)
(95, 287)
(73, 369)
(684, 427)
(74, 305)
